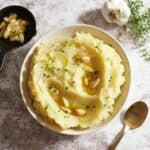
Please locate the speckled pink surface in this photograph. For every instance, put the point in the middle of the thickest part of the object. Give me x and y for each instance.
(19, 131)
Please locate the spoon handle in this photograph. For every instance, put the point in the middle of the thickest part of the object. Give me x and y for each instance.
(117, 139)
(2, 57)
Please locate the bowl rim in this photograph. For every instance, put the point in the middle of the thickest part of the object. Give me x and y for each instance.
(74, 132)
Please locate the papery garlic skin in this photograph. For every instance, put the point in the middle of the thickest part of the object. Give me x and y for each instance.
(116, 11)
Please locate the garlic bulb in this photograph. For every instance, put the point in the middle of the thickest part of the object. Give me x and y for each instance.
(116, 11)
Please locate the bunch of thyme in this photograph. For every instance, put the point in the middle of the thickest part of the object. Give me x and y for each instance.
(139, 23)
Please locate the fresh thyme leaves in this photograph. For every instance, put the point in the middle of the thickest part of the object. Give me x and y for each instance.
(140, 18)
(145, 53)
(96, 46)
(87, 107)
(46, 107)
(110, 79)
(66, 88)
(44, 74)
(66, 116)
(139, 23)
(66, 70)
(53, 60)
(107, 59)
(73, 82)
(58, 69)
(106, 97)
(48, 76)
(110, 45)
(93, 106)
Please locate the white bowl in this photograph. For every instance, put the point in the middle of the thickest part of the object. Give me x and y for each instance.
(64, 32)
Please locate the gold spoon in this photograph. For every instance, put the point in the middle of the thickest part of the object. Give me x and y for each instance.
(134, 117)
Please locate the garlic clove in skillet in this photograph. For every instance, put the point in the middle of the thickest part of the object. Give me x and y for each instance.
(116, 11)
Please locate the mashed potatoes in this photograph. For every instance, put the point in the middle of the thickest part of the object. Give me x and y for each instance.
(75, 81)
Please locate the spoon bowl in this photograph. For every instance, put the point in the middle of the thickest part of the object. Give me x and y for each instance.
(134, 118)
(22, 13)
(136, 115)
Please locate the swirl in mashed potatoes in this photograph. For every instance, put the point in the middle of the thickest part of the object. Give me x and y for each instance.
(75, 81)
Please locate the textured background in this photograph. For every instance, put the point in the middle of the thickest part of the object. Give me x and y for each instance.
(18, 131)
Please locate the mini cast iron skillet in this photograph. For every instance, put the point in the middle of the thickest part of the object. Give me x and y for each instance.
(22, 13)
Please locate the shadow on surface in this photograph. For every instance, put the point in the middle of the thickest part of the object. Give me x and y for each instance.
(18, 130)
(94, 17)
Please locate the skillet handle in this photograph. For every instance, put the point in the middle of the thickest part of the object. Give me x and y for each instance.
(2, 58)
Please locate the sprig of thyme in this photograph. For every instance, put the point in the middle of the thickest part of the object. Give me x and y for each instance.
(139, 23)
(139, 19)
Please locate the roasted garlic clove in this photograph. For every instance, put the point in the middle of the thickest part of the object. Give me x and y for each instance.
(54, 93)
(21, 37)
(65, 109)
(83, 57)
(94, 83)
(79, 111)
(55, 96)
(7, 33)
(86, 82)
(65, 102)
